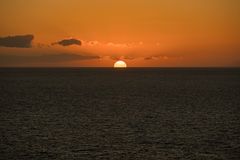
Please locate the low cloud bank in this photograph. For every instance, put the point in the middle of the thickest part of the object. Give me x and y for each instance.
(45, 58)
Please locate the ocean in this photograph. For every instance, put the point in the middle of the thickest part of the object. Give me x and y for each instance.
(120, 114)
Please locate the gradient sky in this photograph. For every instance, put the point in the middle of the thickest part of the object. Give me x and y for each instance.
(144, 33)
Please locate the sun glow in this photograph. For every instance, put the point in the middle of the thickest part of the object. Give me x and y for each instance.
(120, 64)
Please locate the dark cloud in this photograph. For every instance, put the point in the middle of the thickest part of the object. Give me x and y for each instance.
(44, 58)
(148, 58)
(18, 41)
(153, 57)
(68, 42)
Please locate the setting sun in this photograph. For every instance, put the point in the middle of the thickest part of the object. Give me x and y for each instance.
(120, 64)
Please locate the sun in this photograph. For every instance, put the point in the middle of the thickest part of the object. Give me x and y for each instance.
(120, 64)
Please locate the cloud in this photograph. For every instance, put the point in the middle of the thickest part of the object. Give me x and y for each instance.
(68, 42)
(18, 41)
(117, 45)
(129, 57)
(93, 43)
(158, 57)
(67, 57)
(44, 58)
(148, 58)
(115, 58)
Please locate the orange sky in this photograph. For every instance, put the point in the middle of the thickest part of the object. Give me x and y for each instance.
(144, 33)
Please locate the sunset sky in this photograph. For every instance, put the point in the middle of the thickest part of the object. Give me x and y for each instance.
(143, 33)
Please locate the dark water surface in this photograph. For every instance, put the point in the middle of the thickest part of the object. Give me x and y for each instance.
(119, 114)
